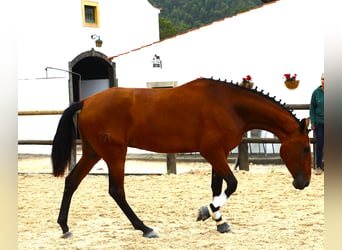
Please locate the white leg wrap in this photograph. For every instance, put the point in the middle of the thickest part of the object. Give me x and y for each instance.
(221, 222)
(219, 201)
(210, 212)
(216, 215)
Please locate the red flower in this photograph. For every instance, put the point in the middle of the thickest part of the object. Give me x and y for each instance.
(289, 77)
(246, 79)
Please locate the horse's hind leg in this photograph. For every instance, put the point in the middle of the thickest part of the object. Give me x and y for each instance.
(116, 161)
(72, 181)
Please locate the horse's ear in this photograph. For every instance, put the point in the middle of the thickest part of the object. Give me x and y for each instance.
(304, 124)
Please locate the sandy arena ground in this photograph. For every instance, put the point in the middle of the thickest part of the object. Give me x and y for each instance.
(265, 212)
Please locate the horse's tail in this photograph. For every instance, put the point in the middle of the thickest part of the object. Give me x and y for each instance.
(64, 140)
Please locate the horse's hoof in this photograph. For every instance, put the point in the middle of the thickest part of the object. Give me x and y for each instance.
(223, 228)
(203, 213)
(151, 234)
(67, 235)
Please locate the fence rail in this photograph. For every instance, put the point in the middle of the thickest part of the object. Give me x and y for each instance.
(246, 140)
(59, 112)
(41, 112)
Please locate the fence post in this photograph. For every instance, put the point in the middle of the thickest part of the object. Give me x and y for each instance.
(171, 167)
(171, 164)
(73, 157)
(242, 159)
(74, 148)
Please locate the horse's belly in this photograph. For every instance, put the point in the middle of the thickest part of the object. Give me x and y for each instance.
(164, 143)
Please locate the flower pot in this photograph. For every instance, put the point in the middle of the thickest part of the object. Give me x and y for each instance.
(247, 84)
(291, 84)
(250, 85)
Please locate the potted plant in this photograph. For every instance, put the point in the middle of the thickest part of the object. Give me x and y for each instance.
(290, 81)
(247, 82)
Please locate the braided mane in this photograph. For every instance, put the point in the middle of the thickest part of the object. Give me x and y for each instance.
(261, 93)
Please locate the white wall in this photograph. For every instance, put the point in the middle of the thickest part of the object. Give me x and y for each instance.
(40, 94)
(133, 23)
(283, 37)
(51, 33)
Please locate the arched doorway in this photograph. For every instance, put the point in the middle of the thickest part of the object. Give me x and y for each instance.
(92, 72)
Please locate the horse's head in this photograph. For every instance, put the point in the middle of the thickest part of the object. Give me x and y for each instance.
(296, 153)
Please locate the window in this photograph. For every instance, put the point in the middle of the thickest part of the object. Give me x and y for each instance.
(90, 14)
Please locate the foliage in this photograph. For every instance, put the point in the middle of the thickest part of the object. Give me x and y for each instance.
(178, 16)
(166, 28)
(288, 77)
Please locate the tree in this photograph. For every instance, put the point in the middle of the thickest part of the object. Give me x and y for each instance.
(178, 16)
(166, 28)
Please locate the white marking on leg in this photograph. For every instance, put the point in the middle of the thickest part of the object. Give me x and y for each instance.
(220, 200)
(216, 215)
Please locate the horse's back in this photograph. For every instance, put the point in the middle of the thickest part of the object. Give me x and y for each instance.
(143, 103)
(161, 120)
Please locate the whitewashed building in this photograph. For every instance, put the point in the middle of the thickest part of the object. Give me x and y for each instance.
(285, 36)
(54, 33)
(56, 48)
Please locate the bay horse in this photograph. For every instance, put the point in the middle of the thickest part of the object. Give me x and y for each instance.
(205, 115)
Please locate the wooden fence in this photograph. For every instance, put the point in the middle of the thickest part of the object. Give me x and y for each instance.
(171, 161)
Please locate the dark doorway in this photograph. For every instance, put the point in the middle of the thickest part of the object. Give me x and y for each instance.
(92, 73)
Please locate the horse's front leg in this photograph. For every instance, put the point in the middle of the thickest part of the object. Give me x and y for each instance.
(219, 199)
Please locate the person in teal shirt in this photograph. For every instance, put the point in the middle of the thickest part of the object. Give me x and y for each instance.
(317, 123)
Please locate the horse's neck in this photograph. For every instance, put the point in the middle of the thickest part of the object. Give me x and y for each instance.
(270, 117)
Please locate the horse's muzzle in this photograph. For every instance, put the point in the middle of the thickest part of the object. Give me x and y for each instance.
(300, 183)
